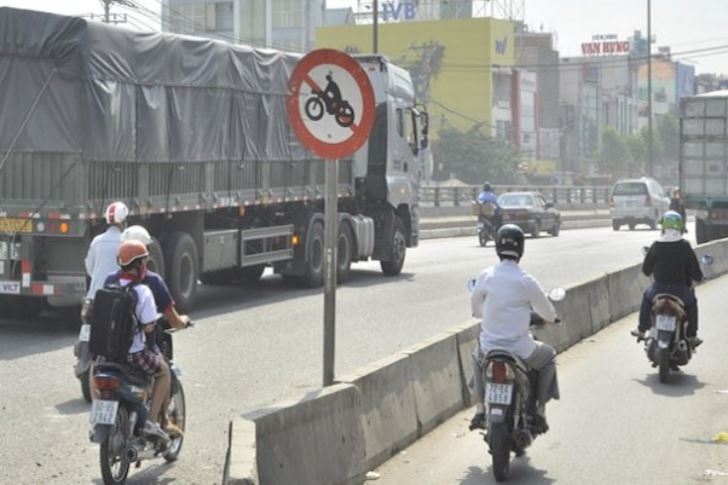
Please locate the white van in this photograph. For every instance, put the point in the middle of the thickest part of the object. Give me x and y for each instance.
(637, 201)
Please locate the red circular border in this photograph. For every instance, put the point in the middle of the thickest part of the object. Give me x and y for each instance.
(308, 139)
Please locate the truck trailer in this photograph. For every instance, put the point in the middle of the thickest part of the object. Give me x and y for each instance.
(704, 162)
(192, 134)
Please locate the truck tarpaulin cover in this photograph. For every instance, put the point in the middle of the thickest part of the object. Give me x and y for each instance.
(121, 95)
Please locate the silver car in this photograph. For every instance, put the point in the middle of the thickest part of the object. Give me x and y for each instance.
(637, 201)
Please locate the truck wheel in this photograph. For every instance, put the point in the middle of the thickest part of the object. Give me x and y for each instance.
(156, 258)
(343, 254)
(182, 269)
(398, 250)
(314, 271)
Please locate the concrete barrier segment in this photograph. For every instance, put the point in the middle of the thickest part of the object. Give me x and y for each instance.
(389, 416)
(467, 335)
(626, 287)
(314, 441)
(241, 465)
(436, 380)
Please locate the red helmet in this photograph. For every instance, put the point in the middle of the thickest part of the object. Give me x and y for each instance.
(130, 251)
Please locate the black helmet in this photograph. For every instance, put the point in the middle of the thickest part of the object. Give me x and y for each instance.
(487, 187)
(510, 242)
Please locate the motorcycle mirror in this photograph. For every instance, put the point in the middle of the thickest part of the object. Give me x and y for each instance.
(706, 259)
(557, 294)
(645, 250)
(471, 284)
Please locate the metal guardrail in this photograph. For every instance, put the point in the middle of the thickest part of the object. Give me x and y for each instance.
(438, 196)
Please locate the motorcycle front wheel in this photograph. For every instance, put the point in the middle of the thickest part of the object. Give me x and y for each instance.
(114, 463)
(499, 440)
(176, 413)
(314, 108)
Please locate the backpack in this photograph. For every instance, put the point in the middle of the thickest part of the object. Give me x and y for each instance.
(113, 322)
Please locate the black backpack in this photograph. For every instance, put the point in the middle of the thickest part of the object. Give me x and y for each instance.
(113, 322)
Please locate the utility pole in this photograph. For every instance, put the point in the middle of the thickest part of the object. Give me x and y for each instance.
(110, 18)
(650, 152)
(375, 23)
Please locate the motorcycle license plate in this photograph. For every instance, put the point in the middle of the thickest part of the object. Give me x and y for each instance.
(666, 322)
(85, 334)
(103, 412)
(498, 393)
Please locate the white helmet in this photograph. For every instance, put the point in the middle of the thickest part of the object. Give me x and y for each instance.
(116, 213)
(137, 233)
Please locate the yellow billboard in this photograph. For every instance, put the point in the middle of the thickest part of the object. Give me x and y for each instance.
(451, 62)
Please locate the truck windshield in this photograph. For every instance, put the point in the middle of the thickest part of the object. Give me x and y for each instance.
(636, 188)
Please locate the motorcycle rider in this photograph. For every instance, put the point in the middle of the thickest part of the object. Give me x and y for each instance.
(133, 257)
(674, 265)
(504, 297)
(487, 196)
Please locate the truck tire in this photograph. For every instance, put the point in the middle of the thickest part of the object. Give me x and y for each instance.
(156, 258)
(398, 250)
(182, 269)
(314, 267)
(343, 253)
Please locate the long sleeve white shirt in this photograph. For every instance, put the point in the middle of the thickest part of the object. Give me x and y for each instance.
(101, 258)
(503, 298)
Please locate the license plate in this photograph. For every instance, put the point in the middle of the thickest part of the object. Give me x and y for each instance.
(666, 322)
(103, 412)
(85, 334)
(10, 287)
(11, 225)
(498, 393)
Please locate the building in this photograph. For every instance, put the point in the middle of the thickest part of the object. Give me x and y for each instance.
(281, 24)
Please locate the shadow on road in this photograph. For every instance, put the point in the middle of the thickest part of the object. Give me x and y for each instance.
(20, 338)
(152, 475)
(73, 406)
(521, 472)
(679, 384)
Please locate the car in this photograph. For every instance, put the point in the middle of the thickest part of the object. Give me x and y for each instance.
(531, 212)
(637, 201)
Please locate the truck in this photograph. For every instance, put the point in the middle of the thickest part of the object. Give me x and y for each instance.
(192, 135)
(703, 168)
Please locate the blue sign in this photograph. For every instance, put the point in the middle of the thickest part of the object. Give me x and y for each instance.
(399, 11)
(501, 46)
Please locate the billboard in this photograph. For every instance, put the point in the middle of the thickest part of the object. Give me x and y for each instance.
(451, 62)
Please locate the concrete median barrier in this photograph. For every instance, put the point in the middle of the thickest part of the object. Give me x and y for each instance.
(467, 335)
(316, 440)
(625, 290)
(436, 380)
(389, 414)
(241, 463)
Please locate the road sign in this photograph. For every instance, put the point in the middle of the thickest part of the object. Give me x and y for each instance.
(330, 103)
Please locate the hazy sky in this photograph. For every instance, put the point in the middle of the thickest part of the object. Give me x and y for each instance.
(686, 25)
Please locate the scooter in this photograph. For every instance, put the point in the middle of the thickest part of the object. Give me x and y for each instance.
(120, 408)
(82, 352)
(486, 231)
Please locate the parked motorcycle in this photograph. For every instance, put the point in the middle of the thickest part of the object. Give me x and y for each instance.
(510, 401)
(120, 409)
(666, 344)
(82, 352)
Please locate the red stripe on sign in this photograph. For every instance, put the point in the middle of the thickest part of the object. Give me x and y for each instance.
(54, 215)
(25, 266)
(37, 288)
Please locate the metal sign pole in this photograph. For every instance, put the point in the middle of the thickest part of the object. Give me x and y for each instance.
(331, 219)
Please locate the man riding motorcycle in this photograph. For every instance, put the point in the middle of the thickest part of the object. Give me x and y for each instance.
(504, 297)
(674, 265)
(487, 196)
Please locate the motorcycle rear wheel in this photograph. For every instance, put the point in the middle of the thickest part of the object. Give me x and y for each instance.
(176, 412)
(664, 363)
(114, 463)
(499, 441)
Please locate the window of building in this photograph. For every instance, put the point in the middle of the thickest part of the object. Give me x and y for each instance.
(287, 14)
(224, 16)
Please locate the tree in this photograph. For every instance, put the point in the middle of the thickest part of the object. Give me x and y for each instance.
(474, 157)
(614, 155)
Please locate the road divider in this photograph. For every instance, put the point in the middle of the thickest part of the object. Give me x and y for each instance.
(336, 434)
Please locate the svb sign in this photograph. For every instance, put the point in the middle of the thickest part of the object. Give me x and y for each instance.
(398, 11)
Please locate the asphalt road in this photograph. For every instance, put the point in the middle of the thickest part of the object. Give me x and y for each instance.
(616, 423)
(257, 345)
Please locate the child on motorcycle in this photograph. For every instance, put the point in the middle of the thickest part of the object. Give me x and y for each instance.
(504, 296)
(674, 265)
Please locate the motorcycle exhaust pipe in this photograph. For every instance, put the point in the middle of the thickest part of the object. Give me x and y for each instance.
(523, 438)
(682, 346)
(136, 453)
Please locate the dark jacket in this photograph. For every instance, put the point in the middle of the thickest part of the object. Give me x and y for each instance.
(672, 263)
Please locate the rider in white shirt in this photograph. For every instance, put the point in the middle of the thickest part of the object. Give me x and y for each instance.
(101, 257)
(504, 297)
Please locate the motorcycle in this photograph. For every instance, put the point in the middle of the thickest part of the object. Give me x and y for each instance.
(120, 408)
(330, 101)
(666, 344)
(510, 400)
(82, 352)
(487, 227)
